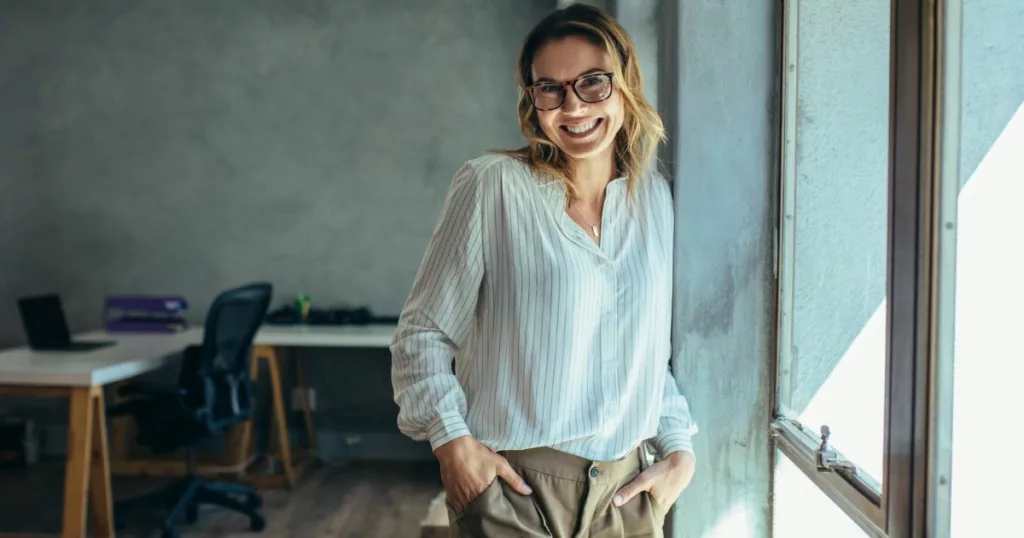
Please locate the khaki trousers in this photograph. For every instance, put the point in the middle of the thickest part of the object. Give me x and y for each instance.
(572, 497)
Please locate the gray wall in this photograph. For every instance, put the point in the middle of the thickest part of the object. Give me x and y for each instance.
(842, 183)
(720, 60)
(185, 147)
(839, 265)
(993, 76)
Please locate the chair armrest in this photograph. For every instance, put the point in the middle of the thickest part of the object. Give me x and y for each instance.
(143, 388)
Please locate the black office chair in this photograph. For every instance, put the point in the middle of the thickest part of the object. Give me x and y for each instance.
(214, 392)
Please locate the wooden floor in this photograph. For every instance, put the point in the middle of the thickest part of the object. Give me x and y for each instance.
(363, 500)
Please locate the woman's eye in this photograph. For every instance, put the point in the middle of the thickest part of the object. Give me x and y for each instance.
(591, 81)
(550, 88)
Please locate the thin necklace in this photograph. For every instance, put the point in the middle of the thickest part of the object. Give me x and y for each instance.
(593, 228)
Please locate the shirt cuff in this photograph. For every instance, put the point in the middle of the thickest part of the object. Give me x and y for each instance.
(449, 426)
(673, 442)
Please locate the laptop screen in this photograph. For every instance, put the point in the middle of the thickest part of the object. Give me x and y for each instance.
(43, 317)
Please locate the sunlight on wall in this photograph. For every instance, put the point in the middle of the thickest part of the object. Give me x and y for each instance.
(988, 395)
(802, 510)
(989, 368)
(852, 400)
(734, 523)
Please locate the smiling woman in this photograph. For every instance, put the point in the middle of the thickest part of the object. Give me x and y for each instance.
(548, 281)
(585, 123)
(583, 49)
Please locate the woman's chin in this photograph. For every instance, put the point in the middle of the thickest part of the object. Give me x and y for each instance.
(578, 151)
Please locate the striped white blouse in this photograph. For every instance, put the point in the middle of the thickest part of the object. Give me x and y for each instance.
(556, 341)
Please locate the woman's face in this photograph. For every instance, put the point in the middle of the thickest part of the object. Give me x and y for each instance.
(583, 130)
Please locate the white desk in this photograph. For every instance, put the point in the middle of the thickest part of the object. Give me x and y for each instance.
(267, 343)
(325, 335)
(267, 346)
(80, 376)
(130, 356)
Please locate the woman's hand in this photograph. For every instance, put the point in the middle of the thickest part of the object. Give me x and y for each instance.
(665, 480)
(468, 468)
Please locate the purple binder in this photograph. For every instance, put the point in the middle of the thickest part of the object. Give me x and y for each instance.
(145, 313)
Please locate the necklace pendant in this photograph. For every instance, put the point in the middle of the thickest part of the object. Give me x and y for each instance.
(596, 233)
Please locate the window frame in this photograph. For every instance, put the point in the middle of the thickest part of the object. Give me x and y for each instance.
(918, 283)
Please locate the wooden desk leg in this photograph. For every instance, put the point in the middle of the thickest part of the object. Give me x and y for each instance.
(76, 473)
(280, 422)
(307, 414)
(244, 447)
(101, 505)
(86, 438)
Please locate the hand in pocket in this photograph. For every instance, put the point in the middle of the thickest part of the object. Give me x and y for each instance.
(468, 468)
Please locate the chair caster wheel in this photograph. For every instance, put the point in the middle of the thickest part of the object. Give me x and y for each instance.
(257, 524)
(253, 500)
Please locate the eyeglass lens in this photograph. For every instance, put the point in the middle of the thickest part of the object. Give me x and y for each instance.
(590, 89)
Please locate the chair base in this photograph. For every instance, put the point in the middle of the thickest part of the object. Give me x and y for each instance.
(185, 497)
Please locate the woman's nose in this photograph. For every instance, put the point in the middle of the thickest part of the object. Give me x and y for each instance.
(572, 101)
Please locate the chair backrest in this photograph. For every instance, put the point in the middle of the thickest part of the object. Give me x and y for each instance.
(216, 374)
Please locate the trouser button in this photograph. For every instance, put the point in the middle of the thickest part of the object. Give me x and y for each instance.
(594, 471)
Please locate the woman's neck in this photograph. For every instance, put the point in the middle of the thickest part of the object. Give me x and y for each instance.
(591, 176)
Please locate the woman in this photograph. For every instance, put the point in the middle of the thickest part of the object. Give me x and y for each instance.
(548, 280)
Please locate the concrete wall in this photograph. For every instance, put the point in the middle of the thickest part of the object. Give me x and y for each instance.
(720, 60)
(993, 77)
(842, 182)
(837, 369)
(185, 147)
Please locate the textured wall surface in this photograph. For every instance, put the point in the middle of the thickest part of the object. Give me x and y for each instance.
(188, 146)
(839, 232)
(724, 153)
(184, 147)
(993, 76)
(23, 263)
(841, 186)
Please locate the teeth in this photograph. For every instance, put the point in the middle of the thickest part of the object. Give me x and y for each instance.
(580, 129)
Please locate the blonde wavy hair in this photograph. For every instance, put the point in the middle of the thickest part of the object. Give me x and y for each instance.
(642, 128)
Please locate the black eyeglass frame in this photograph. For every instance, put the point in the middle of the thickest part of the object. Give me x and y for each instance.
(573, 83)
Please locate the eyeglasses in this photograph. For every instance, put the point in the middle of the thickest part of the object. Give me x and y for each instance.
(590, 88)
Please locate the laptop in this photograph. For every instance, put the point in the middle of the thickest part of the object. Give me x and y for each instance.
(47, 328)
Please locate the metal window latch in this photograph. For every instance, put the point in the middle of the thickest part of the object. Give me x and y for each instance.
(826, 457)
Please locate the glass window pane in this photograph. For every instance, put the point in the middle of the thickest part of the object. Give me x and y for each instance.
(801, 509)
(988, 397)
(835, 370)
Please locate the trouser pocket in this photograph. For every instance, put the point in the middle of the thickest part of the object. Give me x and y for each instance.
(498, 512)
(657, 508)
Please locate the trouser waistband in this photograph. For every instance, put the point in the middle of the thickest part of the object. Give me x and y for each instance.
(571, 467)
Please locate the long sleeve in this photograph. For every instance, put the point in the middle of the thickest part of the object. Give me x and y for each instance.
(437, 319)
(676, 427)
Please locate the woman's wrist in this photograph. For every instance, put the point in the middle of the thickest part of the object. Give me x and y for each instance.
(681, 458)
(454, 449)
